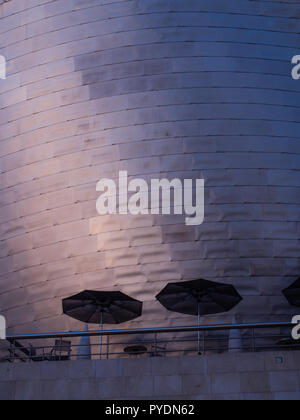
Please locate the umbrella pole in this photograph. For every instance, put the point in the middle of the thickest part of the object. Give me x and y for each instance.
(101, 337)
(199, 352)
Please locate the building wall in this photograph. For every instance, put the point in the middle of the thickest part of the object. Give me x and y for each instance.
(255, 376)
(179, 88)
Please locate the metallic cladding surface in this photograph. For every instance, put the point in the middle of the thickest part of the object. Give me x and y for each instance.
(158, 88)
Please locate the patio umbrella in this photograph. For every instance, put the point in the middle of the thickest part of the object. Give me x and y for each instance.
(93, 307)
(199, 297)
(292, 293)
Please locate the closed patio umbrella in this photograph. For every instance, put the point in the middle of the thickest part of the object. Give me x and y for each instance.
(235, 339)
(84, 349)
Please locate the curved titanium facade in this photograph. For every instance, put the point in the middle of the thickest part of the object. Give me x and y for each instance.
(180, 88)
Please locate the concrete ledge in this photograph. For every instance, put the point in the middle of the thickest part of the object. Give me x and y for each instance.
(251, 376)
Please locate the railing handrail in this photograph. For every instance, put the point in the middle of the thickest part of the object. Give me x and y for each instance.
(158, 330)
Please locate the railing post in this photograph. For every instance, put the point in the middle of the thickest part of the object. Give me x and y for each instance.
(12, 350)
(155, 345)
(107, 347)
(253, 340)
(60, 349)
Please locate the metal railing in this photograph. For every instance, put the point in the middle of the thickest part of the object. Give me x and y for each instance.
(150, 342)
